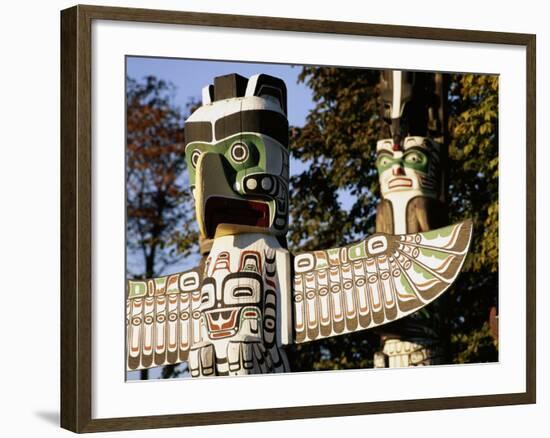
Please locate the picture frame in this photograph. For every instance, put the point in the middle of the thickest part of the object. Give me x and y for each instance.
(78, 171)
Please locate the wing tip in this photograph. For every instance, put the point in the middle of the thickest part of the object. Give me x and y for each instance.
(468, 228)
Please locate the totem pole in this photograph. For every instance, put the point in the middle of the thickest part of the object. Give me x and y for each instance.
(252, 297)
(413, 187)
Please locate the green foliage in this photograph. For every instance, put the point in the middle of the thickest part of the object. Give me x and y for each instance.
(473, 188)
(339, 353)
(474, 164)
(475, 346)
(338, 144)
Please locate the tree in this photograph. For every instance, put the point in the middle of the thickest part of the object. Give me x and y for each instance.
(338, 143)
(473, 191)
(161, 229)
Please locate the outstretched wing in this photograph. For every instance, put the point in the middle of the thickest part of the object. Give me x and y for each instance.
(160, 319)
(375, 281)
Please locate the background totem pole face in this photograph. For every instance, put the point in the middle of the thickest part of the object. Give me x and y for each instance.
(237, 156)
(413, 168)
(409, 163)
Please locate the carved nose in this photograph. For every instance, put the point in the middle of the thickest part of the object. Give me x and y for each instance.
(398, 171)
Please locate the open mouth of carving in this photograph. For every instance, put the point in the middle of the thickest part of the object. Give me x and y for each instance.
(220, 210)
(400, 182)
(222, 323)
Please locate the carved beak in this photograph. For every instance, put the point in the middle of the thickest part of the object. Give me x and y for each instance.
(210, 181)
(217, 204)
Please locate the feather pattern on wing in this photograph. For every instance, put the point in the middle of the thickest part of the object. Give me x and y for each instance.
(378, 280)
(162, 319)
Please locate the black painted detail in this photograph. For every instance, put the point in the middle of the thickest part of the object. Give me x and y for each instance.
(198, 131)
(271, 86)
(228, 86)
(265, 122)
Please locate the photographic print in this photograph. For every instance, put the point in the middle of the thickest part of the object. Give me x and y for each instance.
(268, 206)
(291, 218)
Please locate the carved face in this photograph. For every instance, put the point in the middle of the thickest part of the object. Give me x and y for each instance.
(237, 157)
(232, 302)
(238, 310)
(410, 168)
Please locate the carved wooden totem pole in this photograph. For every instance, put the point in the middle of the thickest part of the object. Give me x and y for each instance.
(252, 297)
(411, 172)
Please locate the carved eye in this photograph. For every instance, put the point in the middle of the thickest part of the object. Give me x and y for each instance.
(243, 291)
(415, 157)
(195, 157)
(239, 152)
(384, 161)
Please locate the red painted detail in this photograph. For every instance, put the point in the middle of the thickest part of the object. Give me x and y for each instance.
(222, 319)
(398, 171)
(270, 283)
(399, 182)
(218, 335)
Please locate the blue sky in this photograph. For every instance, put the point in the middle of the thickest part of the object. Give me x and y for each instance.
(190, 76)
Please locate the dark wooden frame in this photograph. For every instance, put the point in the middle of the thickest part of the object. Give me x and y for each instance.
(76, 237)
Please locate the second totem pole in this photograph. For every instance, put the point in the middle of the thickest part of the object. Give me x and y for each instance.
(412, 170)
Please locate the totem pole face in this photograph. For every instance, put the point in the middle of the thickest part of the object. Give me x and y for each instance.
(412, 168)
(237, 156)
(232, 302)
(407, 163)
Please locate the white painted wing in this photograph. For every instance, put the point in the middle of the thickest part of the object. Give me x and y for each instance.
(376, 281)
(162, 319)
